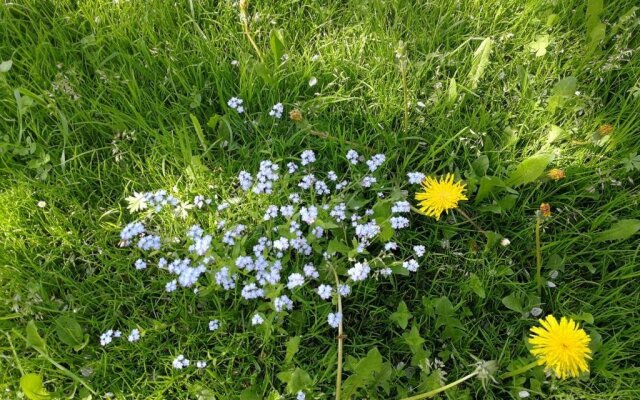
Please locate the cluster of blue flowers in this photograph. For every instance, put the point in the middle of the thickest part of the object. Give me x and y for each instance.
(295, 247)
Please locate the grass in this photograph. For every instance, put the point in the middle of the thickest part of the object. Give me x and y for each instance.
(101, 100)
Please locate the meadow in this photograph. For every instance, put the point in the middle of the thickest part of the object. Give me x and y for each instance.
(526, 103)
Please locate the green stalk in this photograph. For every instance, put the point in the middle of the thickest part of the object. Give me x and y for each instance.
(340, 341)
(433, 392)
(538, 257)
(518, 371)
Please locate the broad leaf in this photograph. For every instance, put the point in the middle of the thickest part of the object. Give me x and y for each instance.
(33, 337)
(621, 230)
(69, 331)
(562, 92)
(364, 373)
(276, 41)
(513, 302)
(476, 285)
(33, 388)
(292, 348)
(401, 316)
(539, 45)
(480, 62)
(530, 169)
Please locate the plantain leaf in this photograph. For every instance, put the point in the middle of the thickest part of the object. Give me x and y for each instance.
(530, 169)
(480, 62)
(621, 230)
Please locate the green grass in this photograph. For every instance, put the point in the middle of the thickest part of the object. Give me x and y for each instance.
(84, 72)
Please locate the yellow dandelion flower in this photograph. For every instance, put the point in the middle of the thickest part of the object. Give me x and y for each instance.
(556, 174)
(562, 347)
(605, 130)
(440, 195)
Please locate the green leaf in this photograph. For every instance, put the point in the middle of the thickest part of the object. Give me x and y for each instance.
(292, 348)
(413, 339)
(487, 184)
(481, 165)
(594, 10)
(386, 231)
(33, 388)
(513, 302)
(476, 285)
(69, 330)
(555, 133)
(562, 92)
(198, 128)
(276, 41)
(401, 316)
(5, 66)
(480, 62)
(530, 169)
(364, 373)
(336, 246)
(492, 239)
(623, 229)
(539, 45)
(296, 380)
(33, 338)
(583, 316)
(250, 394)
(452, 91)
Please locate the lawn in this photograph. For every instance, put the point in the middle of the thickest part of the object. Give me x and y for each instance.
(525, 102)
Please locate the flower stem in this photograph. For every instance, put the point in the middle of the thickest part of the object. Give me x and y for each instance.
(244, 18)
(405, 89)
(442, 388)
(340, 340)
(538, 257)
(518, 371)
(472, 222)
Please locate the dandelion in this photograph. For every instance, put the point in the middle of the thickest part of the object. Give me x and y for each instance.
(545, 210)
(556, 174)
(562, 347)
(137, 202)
(440, 195)
(295, 115)
(605, 130)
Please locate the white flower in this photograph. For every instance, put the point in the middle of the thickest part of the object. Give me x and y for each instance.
(308, 157)
(246, 180)
(295, 280)
(180, 362)
(236, 104)
(134, 336)
(415, 177)
(523, 394)
(344, 290)
(359, 271)
(389, 246)
(201, 364)
(386, 272)
(325, 292)
(401, 207)
(332, 176)
(300, 395)
(276, 111)
(309, 214)
(43, 204)
(282, 303)
(322, 188)
(292, 167)
(313, 81)
(137, 202)
(214, 325)
(367, 181)
(257, 319)
(310, 271)
(171, 286)
(536, 311)
(399, 222)
(334, 319)
(140, 264)
(352, 156)
(375, 162)
(106, 338)
(420, 250)
(271, 213)
(505, 242)
(411, 265)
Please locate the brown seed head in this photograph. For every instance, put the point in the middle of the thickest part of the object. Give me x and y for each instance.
(545, 209)
(295, 115)
(605, 130)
